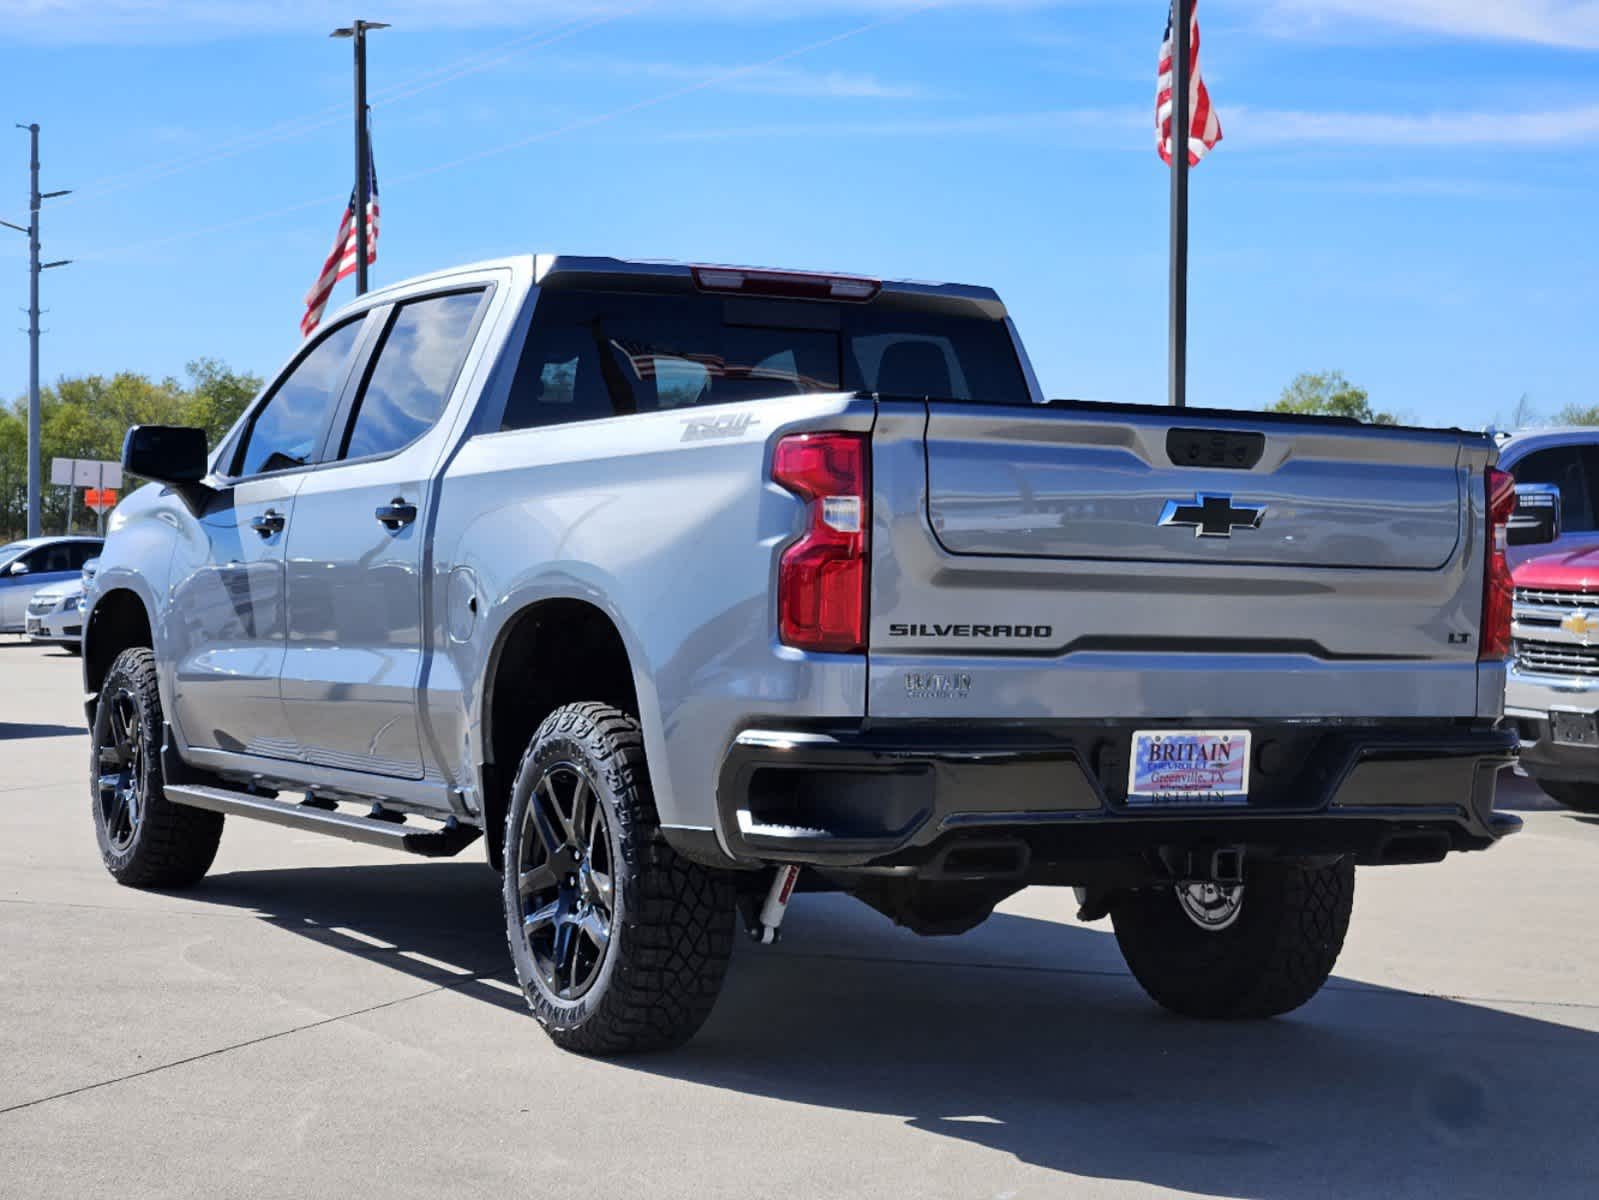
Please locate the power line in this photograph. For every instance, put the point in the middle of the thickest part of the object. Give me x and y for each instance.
(713, 80)
(298, 127)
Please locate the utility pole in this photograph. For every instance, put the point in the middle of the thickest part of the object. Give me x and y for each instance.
(35, 197)
(1177, 359)
(363, 151)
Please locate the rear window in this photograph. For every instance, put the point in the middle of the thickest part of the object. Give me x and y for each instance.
(601, 354)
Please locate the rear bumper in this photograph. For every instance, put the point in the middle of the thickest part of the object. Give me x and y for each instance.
(910, 796)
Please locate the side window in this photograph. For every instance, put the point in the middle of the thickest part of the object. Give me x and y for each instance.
(603, 354)
(50, 560)
(82, 552)
(286, 430)
(408, 385)
(1566, 468)
(559, 379)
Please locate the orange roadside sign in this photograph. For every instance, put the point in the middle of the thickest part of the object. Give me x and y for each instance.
(100, 499)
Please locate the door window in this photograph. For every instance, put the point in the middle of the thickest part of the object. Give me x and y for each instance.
(286, 431)
(406, 390)
(1566, 468)
(53, 559)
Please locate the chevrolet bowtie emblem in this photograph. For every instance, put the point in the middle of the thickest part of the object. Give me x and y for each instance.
(1212, 515)
(1580, 624)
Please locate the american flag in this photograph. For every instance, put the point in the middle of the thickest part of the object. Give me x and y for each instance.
(341, 259)
(1204, 129)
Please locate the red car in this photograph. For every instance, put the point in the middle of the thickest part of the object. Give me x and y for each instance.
(1552, 692)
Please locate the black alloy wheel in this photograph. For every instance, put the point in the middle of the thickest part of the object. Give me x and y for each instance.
(123, 780)
(145, 840)
(619, 944)
(564, 875)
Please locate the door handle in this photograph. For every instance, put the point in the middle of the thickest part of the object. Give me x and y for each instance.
(396, 514)
(267, 523)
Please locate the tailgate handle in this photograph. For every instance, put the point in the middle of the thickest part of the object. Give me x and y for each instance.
(1214, 448)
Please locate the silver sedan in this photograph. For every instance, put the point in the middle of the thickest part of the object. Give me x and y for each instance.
(54, 615)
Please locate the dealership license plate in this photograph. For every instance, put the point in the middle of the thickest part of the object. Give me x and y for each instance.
(1189, 766)
(1574, 729)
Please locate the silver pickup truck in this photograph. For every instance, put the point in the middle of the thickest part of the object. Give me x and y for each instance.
(691, 587)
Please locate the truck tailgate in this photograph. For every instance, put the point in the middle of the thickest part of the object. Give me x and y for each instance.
(1085, 560)
(1050, 484)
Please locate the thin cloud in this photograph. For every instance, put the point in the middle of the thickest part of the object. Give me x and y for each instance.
(165, 21)
(773, 81)
(1108, 126)
(1573, 24)
(1275, 127)
(1247, 128)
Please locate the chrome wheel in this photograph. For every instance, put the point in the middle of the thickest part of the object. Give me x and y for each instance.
(1212, 906)
(565, 880)
(122, 776)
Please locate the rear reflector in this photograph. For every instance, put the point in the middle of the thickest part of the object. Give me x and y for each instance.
(1498, 590)
(796, 285)
(822, 577)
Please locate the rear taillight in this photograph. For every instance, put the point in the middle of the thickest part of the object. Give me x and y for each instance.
(821, 579)
(1497, 588)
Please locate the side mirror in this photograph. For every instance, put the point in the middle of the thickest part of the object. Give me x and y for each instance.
(18, 568)
(1536, 521)
(172, 454)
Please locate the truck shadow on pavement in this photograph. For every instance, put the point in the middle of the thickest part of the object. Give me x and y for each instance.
(1028, 1037)
(10, 730)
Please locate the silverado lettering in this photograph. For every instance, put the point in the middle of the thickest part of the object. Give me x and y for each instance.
(971, 631)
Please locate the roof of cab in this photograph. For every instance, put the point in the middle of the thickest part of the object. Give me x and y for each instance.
(576, 270)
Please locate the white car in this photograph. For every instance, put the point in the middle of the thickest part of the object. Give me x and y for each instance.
(55, 617)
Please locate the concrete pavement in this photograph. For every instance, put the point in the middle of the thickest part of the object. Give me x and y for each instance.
(321, 1019)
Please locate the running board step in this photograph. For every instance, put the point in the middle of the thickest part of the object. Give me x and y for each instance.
(438, 843)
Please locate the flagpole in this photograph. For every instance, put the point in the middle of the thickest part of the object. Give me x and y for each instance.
(357, 31)
(362, 151)
(1177, 358)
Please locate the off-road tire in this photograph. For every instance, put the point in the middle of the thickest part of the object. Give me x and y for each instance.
(1581, 797)
(1272, 959)
(673, 920)
(172, 845)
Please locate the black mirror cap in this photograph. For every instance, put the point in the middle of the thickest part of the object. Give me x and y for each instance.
(175, 454)
(1536, 521)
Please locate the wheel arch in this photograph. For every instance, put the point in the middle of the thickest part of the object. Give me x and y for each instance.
(549, 652)
(121, 617)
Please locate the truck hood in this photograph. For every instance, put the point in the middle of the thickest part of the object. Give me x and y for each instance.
(1570, 571)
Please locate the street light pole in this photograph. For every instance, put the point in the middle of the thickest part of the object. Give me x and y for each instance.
(357, 31)
(35, 198)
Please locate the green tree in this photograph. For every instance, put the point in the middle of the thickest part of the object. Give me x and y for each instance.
(1329, 393)
(87, 416)
(13, 472)
(1578, 414)
(216, 396)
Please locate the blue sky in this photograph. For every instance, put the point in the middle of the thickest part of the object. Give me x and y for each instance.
(1406, 190)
